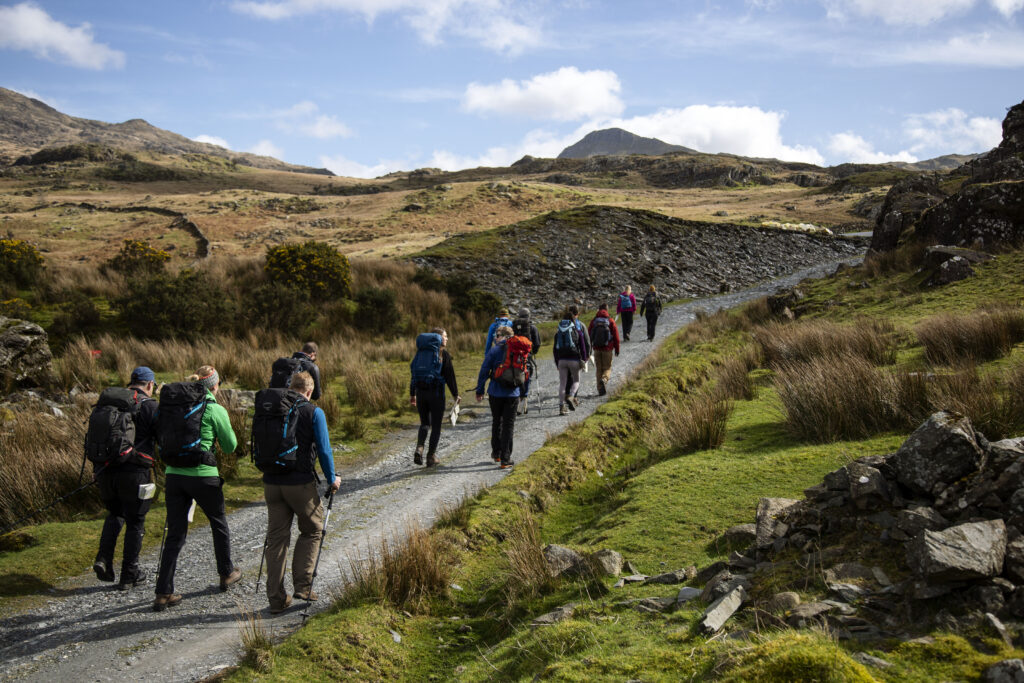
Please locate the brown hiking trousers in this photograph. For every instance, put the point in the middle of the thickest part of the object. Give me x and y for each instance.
(603, 369)
(284, 503)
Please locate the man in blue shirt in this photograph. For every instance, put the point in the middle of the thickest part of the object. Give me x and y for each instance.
(295, 494)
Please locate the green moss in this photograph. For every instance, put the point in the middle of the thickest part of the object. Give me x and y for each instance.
(797, 657)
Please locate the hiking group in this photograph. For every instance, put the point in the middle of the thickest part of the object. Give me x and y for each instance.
(127, 428)
(510, 366)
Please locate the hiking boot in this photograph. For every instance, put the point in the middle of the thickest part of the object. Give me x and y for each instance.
(601, 391)
(526, 406)
(104, 572)
(562, 410)
(519, 407)
(231, 578)
(417, 457)
(572, 402)
(165, 600)
(431, 460)
(126, 583)
(309, 597)
(506, 464)
(280, 608)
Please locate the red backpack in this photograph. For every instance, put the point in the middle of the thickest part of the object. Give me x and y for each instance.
(513, 372)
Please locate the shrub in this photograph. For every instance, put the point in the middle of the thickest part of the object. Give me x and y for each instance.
(278, 306)
(137, 258)
(315, 267)
(15, 308)
(20, 262)
(377, 311)
(953, 339)
(185, 306)
(77, 315)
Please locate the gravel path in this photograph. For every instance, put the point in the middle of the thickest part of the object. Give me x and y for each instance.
(89, 632)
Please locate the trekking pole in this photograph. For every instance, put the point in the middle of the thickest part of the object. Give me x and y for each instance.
(18, 522)
(160, 557)
(319, 551)
(263, 557)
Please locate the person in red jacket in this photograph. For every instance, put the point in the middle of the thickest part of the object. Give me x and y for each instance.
(626, 307)
(604, 336)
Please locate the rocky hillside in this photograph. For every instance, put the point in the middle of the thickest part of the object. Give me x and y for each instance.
(589, 254)
(613, 141)
(28, 125)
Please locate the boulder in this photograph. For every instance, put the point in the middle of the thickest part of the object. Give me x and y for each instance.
(607, 561)
(781, 603)
(983, 215)
(722, 583)
(721, 609)
(808, 613)
(868, 488)
(25, 357)
(941, 450)
(870, 660)
(903, 205)
(1006, 671)
(936, 256)
(848, 571)
(740, 534)
(974, 550)
(768, 510)
(564, 561)
(953, 270)
(686, 594)
(998, 629)
(914, 520)
(1013, 562)
(677, 576)
(554, 616)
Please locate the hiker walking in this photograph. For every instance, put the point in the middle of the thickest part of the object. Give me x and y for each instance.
(522, 326)
(505, 366)
(284, 368)
(287, 423)
(431, 369)
(571, 351)
(605, 337)
(189, 423)
(650, 308)
(126, 417)
(626, 307)
(501, 320)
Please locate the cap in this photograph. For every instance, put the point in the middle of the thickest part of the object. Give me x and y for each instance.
(142, 374)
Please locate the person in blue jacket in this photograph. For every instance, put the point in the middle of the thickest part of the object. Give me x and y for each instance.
(501, 321)
(503, 400)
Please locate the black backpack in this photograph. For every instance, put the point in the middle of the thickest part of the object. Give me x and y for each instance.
(179, 424)
(602, 335)
(521, 327)
(110, 439)
(652, 302)
(274, 446)
(282, 370)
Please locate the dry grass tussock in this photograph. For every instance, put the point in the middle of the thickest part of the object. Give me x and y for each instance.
(85, 278)
(526, 574)
(993, 402)
(407, 573)
(901, 260)
(372, 389)
(983, 335)
(732, 378)
(257, 645)
(690, 423)
(40, 460)
(787, 343)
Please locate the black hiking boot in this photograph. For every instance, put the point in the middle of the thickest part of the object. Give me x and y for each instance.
(601, 391)
(131, 582)
(104, 572)
(431, 460)
(506, 464)
(417, 457)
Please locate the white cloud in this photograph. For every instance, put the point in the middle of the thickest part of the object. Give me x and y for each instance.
(952, 131)
(849, 147)
(266, 148)
(497, 24)
(746, 131)
(212, 140)
(339, 165)
(564, 95)
(900, 12)
(325, 127)
(1003, 49)
(26, 26)
(1008, 7)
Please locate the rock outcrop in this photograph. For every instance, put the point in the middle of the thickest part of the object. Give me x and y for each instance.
(25, 358)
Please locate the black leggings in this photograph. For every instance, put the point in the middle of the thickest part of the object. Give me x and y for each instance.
(627, 323)
(208, 493)
(652, 322)
(503, 416)
(430, 405)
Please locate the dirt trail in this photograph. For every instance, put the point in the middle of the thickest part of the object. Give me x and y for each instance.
(89, 632)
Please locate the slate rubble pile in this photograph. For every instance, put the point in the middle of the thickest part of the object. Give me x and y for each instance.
(590, 254)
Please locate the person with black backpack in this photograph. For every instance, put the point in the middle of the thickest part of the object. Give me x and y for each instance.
(284, 368)
(189, 423)
(289, 435)
(506, 372)
(431, 369)
(121, 444)
(605, 337)
(522, 326)
(571, 351)
(650, 308)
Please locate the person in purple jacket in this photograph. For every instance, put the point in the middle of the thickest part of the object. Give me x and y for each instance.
(626, 307)
(503, 400)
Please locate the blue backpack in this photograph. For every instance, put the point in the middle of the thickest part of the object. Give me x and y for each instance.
(426, 364)
(567, 337)
(625, 303)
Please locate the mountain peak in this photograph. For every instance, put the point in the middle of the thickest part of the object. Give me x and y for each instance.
(614, 141)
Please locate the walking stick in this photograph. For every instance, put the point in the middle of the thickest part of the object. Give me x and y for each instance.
(262, 558)
(316, 565)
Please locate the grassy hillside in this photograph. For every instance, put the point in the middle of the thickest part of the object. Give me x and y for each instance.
(627, 480)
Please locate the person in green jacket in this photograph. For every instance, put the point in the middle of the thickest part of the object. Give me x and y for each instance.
(204, 485)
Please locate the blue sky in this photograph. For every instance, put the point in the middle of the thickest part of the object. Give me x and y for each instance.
(365, 87)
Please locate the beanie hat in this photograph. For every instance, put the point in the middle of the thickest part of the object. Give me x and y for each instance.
(210, 381)
(524, 312)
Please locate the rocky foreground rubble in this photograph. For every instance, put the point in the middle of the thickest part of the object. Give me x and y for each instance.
(893, 546)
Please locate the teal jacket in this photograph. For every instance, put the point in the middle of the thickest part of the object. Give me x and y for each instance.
(216, 427)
